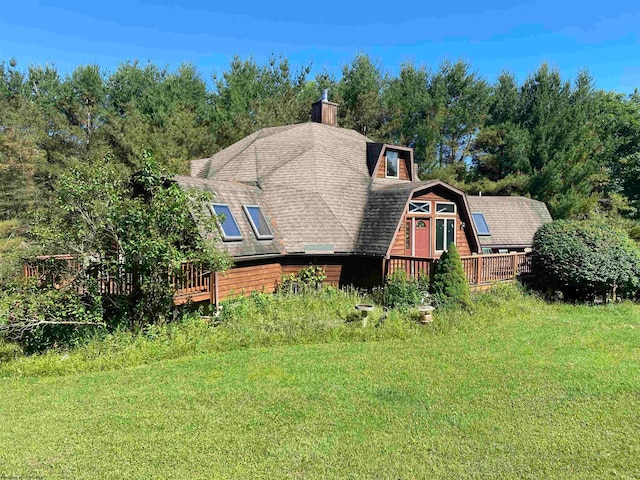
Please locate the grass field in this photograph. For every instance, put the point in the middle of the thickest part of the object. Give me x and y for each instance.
(521, 389)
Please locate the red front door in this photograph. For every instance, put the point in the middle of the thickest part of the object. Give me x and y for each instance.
(421, 237)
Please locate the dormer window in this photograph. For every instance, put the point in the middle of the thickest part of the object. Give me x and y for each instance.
(258, 222)
(392, 164)
(228, 225)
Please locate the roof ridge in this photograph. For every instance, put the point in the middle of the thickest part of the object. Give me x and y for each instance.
(253, 140)
(347, 132)
(315, 164)
(285, 162)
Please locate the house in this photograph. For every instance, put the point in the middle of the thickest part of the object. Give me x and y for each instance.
(314, 193)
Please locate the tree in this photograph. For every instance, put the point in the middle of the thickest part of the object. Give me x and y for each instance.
(409, 105)
(249, 97)
(137, 230)
(449, 283)
(360, 94)
(617, 120)
(460, 100)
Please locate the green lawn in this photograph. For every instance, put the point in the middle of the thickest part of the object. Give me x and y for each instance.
(533, 391)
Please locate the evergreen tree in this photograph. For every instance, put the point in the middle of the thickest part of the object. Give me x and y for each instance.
(360, 93)
(449, 283)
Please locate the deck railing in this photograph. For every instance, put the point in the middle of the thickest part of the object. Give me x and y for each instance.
(479, 269)
(193, 282)
(412, 266)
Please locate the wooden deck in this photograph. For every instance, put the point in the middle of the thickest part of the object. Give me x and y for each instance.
(196, 283)
(481, 270)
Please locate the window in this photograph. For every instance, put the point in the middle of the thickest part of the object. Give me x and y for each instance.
(445, 233)
(445, 207)
(258, 222)
(419, 207)
(228, 225)
(392, 164)
(481, 224)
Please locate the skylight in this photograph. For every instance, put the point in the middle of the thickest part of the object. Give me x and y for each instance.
(258, 222)
(228, 225)
(481, 224)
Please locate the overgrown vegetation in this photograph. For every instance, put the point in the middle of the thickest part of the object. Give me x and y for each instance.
(583, 259)
(307, 279)
(400, 291)
(259, 320)
(126, 238)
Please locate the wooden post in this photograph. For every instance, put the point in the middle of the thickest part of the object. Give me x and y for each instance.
(479, 270)
(515, 265)
(385, 267)
(214, 290)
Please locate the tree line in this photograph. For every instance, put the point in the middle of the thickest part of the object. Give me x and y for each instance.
(559, 140)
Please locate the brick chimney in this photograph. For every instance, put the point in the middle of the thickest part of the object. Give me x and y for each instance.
(325, 111)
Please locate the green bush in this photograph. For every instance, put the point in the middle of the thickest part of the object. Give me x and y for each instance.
(583, 259)
(449, 284)
(37, 320)
(308, 279)
(401, 291)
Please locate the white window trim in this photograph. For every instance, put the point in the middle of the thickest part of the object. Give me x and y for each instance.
(455, 208)
(418, 211)
(413, 237)
(253, 226)
(435, 230)
(386, 170)
(225, 237)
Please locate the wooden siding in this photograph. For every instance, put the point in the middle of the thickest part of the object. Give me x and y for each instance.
(246, 279)
(462, 240)
(398, 245)
(325, 112)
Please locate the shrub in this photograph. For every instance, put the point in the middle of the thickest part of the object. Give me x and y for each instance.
(401, 291)
(449, 284)
(308, 278)
(41, 319)
(582, 259)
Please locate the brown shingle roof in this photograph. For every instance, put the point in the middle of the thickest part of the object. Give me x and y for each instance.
(386, 204)
(512, 221)
(313, 177)
(314, 185)
(236, 195)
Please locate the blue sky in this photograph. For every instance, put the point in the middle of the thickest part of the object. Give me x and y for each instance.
(517, 36)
